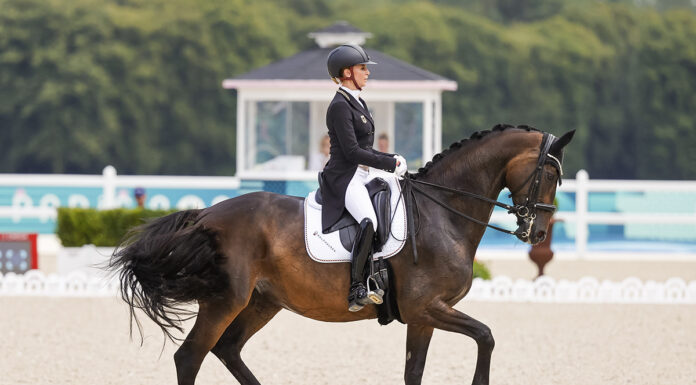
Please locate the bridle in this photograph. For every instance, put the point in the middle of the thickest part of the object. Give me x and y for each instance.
(525, 212)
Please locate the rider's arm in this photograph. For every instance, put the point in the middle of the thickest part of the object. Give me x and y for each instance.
(342, 121)
(382, 153)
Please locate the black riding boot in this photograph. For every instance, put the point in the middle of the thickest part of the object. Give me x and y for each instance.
(362, 249)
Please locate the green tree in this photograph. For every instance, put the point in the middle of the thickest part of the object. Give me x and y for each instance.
(136, 83)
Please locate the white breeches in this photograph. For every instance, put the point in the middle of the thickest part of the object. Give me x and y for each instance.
(358, 201)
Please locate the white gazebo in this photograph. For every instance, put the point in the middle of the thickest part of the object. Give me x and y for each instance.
(281, 108)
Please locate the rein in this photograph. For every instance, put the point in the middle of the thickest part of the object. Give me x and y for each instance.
(526, 213)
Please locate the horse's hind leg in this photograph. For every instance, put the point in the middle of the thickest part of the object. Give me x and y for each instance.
(248, 322)
(212, 320)
(417, 342)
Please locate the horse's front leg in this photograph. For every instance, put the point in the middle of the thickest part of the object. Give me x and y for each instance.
(417, 342)
(442, 316)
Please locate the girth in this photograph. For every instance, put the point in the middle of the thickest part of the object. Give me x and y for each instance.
(347, 226)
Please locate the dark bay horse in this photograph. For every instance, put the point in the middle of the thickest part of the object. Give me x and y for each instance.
(244, 259)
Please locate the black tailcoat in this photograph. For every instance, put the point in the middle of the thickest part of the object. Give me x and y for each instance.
(352, 133)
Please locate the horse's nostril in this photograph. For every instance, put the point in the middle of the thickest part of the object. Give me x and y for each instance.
(541, 235)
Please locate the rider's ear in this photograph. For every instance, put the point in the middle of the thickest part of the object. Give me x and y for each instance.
(561, 142)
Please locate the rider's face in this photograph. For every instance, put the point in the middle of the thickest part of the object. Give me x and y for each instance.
(361, 73)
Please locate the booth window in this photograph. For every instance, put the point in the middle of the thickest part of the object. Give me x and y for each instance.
(277, 135)
(408, 129)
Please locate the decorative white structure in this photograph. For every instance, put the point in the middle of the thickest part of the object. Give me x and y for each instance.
(500, 289)
(585, 290)
(339, 33)
(281, 107)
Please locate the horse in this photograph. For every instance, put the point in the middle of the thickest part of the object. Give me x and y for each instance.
(244, 259)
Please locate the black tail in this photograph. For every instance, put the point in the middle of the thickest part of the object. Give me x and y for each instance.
(166, 264)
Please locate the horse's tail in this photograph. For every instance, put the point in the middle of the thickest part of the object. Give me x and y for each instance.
(166, 264)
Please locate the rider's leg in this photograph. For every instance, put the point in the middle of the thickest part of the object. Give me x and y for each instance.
(362, 250)
(358, 201)
(359, 206)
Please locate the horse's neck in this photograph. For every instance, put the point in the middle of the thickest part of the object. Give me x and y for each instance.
(478, 166)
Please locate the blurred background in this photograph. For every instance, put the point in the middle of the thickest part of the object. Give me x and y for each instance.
(136, 84)
(184, 101)
(114, 111)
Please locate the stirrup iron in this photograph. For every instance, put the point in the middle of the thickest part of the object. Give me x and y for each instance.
(376, 296)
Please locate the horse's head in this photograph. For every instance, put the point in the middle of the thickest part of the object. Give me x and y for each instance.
(531, 178)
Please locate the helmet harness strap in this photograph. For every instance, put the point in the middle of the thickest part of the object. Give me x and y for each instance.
(351, 77)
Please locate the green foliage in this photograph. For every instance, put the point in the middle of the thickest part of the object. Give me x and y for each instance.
(76, 227)
(481, 271)
(137, 83)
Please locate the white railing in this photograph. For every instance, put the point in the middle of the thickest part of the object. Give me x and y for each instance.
(23, 207)
(109, 182)
(500, 289)
(582, 217)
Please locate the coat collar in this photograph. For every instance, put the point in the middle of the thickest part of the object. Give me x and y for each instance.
(358, 105)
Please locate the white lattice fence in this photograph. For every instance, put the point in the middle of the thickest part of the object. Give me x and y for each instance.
(500, 289)
(585, 290)
(78, 284)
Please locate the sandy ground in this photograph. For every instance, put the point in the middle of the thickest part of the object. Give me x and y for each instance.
(85, 341)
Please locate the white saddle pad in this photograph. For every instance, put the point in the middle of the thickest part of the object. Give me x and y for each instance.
(327, 248)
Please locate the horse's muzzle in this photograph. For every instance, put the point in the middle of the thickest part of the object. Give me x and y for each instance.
(531, 236)
(538, 237)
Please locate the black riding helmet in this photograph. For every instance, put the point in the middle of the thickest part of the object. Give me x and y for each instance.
(346, 56)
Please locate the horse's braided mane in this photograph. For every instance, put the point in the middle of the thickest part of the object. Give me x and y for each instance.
(456, 145)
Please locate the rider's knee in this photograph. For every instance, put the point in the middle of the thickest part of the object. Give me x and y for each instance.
(367, 224)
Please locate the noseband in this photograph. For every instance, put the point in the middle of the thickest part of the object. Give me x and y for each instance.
(525, 213)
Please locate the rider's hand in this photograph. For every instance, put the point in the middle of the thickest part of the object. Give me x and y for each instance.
(401, 168)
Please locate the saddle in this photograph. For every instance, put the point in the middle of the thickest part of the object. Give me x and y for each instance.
(347, 226)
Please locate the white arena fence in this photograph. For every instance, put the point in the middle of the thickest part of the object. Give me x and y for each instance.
(671, 207)
(110, 183)
(680, 218)
(500, 289)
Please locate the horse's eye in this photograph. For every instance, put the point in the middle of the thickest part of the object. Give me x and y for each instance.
(549, 176)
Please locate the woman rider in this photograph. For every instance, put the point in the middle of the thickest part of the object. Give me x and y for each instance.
(351, 133)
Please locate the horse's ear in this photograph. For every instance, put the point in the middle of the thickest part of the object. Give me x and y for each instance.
(561, 142)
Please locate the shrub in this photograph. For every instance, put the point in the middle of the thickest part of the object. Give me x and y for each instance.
(76, 226)
(481, 271)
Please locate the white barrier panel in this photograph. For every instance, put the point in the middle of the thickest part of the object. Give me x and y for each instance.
(500, 289)
(77, 284)
(87, 259)
(585, 290)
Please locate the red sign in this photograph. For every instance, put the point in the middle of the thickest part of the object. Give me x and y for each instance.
(18, 252)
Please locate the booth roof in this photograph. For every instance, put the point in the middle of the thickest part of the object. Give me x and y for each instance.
(311, 65)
